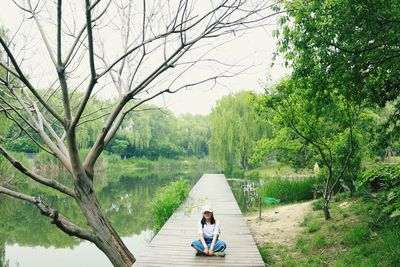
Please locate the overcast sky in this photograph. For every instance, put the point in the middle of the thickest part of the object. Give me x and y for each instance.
(254, 49)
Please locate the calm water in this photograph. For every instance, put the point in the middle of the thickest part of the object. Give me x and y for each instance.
(28, 239)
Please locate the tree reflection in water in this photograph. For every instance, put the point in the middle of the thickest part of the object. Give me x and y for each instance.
(126, 201)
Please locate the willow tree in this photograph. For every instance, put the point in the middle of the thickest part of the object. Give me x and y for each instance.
(141, 49)
(235, 129)
(194, 134)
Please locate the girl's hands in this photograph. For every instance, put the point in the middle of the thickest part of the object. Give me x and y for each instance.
(208, 252)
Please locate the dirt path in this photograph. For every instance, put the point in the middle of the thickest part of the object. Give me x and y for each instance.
(279, 225)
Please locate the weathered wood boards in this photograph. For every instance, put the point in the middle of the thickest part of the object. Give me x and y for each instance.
(171, 246)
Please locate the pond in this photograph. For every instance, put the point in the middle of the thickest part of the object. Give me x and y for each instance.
(28, 239)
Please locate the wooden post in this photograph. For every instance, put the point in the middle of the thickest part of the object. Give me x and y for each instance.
(261, 183)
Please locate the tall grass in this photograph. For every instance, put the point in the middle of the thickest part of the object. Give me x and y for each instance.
(289, 190)
(168, 199)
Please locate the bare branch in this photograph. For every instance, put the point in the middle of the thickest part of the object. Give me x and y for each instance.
(51, 183)
(59, 220)
(121, 116)
(9, 116)
(59, 153)
(7, 68)
(23, 78)
(53, 133)
(77, 39)
(18, 113)
(100, 141)
(33, 12)
(89, 31)
(93, 75)
(94, 119)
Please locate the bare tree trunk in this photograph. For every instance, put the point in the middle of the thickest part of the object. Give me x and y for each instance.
(106, 238)
(325, 207)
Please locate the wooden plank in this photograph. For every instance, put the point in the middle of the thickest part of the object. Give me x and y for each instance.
(171, 246)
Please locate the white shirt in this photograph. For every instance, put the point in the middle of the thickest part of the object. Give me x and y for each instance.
(209, 229)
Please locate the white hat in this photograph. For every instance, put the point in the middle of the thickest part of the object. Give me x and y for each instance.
(207, 208)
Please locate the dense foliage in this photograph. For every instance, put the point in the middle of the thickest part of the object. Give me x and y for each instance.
(352, 44)
(235, 129)
(385, 182)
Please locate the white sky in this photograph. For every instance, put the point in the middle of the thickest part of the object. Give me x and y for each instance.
(254, 49)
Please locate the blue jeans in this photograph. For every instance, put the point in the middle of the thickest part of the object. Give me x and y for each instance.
(218, 246)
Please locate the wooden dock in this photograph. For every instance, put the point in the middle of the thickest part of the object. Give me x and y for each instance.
(171, 246)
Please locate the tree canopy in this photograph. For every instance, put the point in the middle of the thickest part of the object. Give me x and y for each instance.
(235, 129)
(352, 44)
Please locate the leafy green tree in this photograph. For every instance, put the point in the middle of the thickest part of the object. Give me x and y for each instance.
(120, 146)
(151, 133)
(342, 50)
(194, 133)
(327, 122)
(285, 146)
(137, 129)
(235, 129)
(351, 43)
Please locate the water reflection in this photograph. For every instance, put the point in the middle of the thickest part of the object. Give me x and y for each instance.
(29, 239)
(83, 255)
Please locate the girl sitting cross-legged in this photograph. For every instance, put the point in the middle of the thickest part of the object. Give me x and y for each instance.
(209, 231)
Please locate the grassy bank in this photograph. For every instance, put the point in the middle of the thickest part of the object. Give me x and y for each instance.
(351, 238)
(279, 170)
(167, 200)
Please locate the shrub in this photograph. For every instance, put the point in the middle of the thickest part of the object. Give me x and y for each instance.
(238, 173)
(168, 199)
(385, 180)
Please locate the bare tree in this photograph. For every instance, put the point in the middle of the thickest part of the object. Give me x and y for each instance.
(159, 43)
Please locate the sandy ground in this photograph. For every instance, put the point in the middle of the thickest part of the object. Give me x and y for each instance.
(279, 225)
